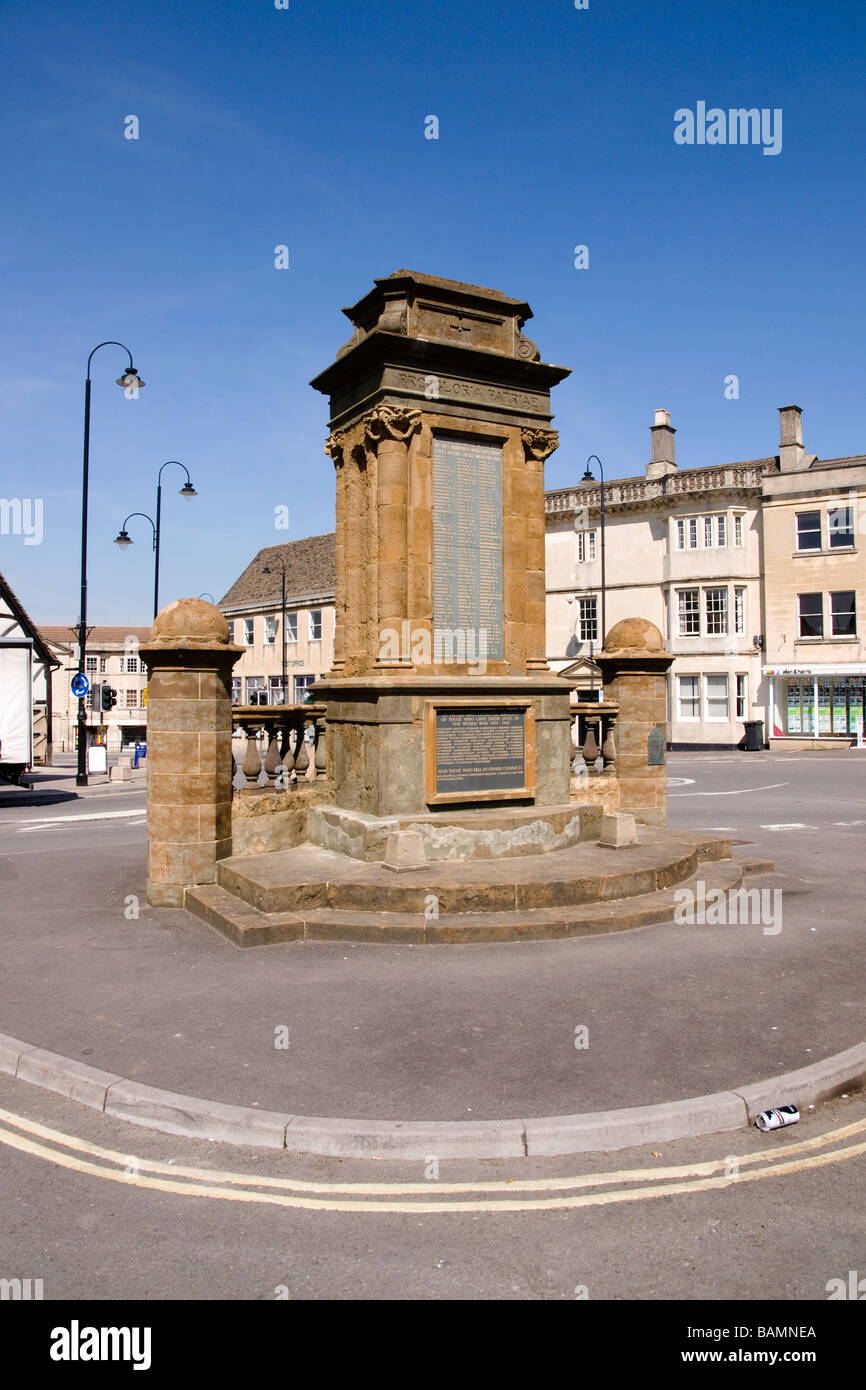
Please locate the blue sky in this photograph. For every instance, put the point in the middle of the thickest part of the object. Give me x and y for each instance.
(305, 127)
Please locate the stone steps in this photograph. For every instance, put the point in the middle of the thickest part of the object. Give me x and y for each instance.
(246, 924)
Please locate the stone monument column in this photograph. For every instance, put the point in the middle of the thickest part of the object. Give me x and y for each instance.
(634, 666)
(445, 701)
(189, 661)
(538, 445)
(389, 431)
(335, 448)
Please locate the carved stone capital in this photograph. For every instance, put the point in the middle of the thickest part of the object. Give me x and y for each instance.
(539, 444)
(391, 422)
(335, 446)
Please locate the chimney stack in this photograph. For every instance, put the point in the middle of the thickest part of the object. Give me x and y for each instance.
(664, 450)
(792, 456)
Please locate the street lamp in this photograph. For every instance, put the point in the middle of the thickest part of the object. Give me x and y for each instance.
(124, 540)
(186, 491)
(589, 477)
(267, 570)
(130, 378)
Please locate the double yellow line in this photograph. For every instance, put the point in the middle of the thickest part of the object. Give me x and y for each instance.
(541, 1194)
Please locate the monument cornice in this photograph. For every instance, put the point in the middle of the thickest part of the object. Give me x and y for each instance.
(381, 350)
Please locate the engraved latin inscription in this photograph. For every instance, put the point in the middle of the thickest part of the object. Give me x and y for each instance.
(480, 750)
(467, 541)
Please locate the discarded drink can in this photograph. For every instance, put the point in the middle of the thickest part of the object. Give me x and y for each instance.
(777, 1119)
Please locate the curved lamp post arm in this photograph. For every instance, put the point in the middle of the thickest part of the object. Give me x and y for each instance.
(123, 540)
(186, 491)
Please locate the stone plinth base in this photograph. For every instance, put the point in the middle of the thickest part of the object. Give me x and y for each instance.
(498, 833)
(377, 736)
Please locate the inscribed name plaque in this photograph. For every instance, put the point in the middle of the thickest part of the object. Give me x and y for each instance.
(480, 752)
(467, 542)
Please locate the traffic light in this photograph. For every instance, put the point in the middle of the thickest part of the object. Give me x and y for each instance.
(108, 697)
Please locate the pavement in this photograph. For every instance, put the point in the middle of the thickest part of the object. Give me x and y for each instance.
(477, 1050)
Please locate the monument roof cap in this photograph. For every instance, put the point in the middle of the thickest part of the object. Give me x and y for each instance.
(436, 287)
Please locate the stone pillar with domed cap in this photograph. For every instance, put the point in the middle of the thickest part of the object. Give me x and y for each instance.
(189, 661)
(634, 666)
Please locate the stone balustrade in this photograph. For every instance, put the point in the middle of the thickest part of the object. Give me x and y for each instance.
(280, 745)
(593, 735)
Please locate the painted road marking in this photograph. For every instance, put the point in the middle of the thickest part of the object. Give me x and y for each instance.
(391, 1197)
(791, 825)
(739, 792)
(46, 822)
(681, 781)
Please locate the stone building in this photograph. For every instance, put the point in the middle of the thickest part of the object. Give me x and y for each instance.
(752, 572)
(112, 659)
(682, 550)
(814, 521)
(252, 607)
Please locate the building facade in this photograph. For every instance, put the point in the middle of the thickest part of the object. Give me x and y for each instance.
(683, 550)
(112, 659)
(814, 525)
(285, 650)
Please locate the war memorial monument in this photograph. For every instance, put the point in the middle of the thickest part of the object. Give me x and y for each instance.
(441, 804)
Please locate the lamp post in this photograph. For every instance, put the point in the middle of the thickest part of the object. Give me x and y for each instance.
(589, 477)
(186, 491)
(124, 540)
(267, 570)
(129, 378)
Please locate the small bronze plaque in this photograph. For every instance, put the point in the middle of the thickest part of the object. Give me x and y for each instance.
(655, 747)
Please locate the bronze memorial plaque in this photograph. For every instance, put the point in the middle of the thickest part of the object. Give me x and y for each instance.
(467, 549)
(481, 752)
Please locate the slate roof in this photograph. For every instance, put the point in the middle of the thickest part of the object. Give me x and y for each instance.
(96, 636)
(310, 574)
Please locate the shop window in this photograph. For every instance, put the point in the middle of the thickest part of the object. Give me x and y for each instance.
(689, 692)
(302, 685)
(276, 691)
(843, 613)
(811, 615)
(808, 530)
(256, 692)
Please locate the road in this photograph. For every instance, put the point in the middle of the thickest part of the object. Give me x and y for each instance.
(101, 1210)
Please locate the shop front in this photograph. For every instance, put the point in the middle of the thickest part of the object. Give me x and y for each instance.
(816, 701)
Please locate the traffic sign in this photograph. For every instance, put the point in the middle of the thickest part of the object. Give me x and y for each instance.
(79, 685)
